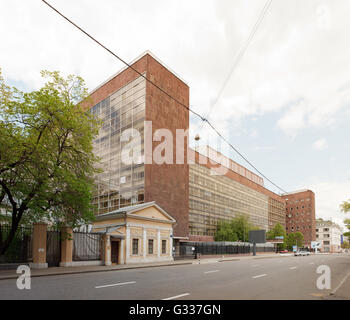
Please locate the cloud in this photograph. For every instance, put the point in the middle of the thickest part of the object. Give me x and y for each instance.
(294, 66)
(320, 144)
(329, 196)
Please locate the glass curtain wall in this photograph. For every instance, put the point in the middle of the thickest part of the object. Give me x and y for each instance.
(214, 198)
(119, 184)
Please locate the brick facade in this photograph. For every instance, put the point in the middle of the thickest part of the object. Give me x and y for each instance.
(222, 197)
(167, 184)
(300, 214)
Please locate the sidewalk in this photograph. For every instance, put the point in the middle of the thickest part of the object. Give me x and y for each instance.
(11, 274)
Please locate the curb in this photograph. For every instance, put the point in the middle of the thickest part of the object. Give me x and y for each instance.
(93, 271)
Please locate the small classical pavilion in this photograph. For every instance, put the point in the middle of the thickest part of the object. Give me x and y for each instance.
(136, 234)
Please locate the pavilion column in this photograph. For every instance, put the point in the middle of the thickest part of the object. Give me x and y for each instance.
(158, 243)
(121, 251)
(171, 245)
(127, 245)
(144, 242)
(107, 249)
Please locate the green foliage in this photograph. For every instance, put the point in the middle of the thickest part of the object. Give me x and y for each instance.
(235, 230)
(46, 157)
(345, 245)
(277, 231)
(345, 206)
(294, 239)
(347, 223)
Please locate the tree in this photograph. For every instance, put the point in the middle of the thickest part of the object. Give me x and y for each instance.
(294, 239)
(345, 206)
(225, 232)
(345, 245)
(235, 230)
(347, 225)
(277, 231)
(46, 157)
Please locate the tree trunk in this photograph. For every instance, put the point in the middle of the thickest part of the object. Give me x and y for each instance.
(4, 245)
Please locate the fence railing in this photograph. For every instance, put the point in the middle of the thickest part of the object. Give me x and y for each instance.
(192, 249)
(86, 246)
(20, 249)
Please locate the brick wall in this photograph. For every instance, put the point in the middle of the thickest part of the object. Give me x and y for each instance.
(167, 184)
(297, 216)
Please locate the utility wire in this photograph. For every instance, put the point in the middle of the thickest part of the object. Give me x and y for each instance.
(162, 90)
(239, 56)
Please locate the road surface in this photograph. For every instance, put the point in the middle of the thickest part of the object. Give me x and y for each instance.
(262, 278)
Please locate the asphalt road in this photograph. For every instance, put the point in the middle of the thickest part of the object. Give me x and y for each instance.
(263, 278)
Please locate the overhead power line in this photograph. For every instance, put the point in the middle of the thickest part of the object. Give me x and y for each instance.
(240, 55)
(162, 90)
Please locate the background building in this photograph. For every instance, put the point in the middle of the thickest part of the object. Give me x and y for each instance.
(222, 196)
(123, 102)
(329, 234)
(300, 214)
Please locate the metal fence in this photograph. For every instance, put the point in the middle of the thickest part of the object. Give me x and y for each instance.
(20, 249)
(86, 246)
(53, 247)
(192, 249)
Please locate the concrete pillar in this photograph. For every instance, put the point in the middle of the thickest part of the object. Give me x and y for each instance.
(158, 243)
(66, 247)
(39, 246)
(171, 245)
(121, 251)
(107, 250)
(127, 245)
(144, 242)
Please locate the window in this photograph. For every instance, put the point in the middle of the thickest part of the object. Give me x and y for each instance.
(163, 246)
(135, 246)
(150, 246)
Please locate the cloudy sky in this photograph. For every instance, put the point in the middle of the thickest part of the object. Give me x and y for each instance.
(286, 106)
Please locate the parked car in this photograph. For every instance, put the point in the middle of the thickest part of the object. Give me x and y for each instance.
(284, 251)
(302, 253)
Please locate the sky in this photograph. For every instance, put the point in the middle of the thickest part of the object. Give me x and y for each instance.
(286, 106)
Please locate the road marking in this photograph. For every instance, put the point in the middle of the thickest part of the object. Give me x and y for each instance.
(115, 284)
(292, 268)
(212, 271)
(259, 276)
(255, 265)
(179, 296)
(340, 284)
(312, 263)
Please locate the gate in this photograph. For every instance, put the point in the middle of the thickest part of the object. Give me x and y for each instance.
(86, 246)
(53, 248)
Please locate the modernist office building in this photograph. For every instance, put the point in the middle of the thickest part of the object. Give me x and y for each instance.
(126, 101)
(300, 214)
(222, 196)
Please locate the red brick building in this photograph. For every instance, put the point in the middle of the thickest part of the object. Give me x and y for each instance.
(236, 190)
(126, 101)
(300, 214)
